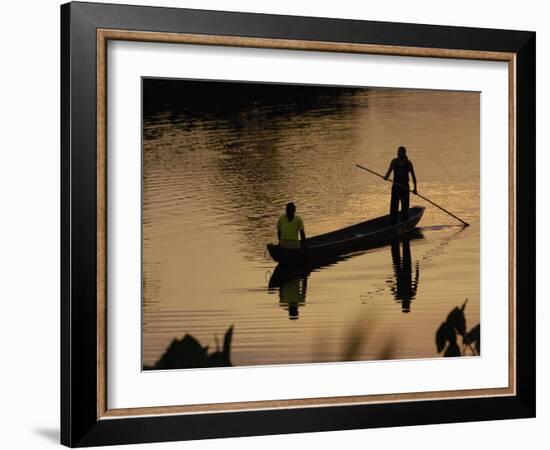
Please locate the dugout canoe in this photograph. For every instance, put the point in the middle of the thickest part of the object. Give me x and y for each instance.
(285, 272)
(362, 236)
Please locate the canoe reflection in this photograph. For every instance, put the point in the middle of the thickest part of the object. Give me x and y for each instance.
(404, 286)
(291, 281)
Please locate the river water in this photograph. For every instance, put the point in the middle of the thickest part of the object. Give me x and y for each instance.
(221, 160)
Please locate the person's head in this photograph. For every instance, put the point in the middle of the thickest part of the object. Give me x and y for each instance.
(401, 152)
(290, 210)
(293, 313)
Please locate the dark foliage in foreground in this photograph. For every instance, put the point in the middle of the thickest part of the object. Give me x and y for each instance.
(455, 324)
(188, 353)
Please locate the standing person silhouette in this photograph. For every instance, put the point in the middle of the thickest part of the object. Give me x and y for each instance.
(401, 167)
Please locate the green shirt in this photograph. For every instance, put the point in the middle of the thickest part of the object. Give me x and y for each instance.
(289, 229)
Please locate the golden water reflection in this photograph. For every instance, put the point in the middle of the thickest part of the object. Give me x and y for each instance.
(217, 174)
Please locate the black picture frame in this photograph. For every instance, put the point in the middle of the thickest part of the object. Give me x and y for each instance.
(80, 425)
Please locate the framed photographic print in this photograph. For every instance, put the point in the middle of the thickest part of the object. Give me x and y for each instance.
(277, 224)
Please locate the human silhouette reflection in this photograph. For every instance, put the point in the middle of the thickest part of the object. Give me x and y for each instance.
(292, 287)
(292, 295)
(404, 286)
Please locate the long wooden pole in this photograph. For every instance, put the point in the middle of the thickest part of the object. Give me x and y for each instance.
(415, 193)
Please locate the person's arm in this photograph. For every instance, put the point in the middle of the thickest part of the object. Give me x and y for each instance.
(279, 229)
(302, 234)
(389, 169)
(413, 177)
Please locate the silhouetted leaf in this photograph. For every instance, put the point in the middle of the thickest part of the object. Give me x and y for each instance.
(473, 336)
(222, 359)
(188, 353)
(452, 350)
(457, 320)
(445, 333)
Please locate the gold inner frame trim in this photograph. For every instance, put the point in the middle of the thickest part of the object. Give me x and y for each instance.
(103, 36)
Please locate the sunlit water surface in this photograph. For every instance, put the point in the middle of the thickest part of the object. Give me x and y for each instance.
(216, 179)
